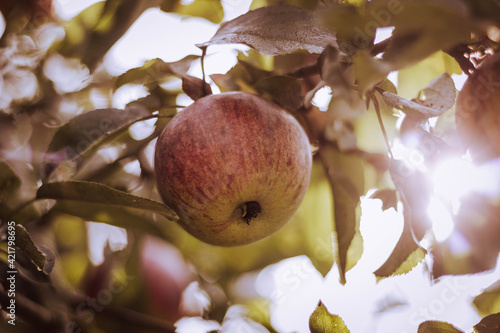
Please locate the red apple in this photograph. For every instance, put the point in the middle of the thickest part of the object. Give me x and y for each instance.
(234, 166)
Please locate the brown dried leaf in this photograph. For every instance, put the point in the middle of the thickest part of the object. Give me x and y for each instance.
(439, 94)
(284, 90)
(275, 30)
(195, 87)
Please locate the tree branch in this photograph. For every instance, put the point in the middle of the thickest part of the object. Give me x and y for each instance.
(31, 312)
(139, 320)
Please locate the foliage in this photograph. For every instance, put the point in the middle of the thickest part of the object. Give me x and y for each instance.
(65, 158)
(323, 321)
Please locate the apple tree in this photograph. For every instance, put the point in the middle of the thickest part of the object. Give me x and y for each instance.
(381, 114)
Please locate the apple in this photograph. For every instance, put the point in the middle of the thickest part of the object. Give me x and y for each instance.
(478, 111)
(234, 166)
(166, 274)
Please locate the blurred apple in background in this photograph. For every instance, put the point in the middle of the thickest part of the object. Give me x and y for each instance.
(478, 111)
(166, 274)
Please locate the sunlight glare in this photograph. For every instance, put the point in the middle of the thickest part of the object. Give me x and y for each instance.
(293, 286)
(412, 158)
(442, 222)
(67, 74)
(101, 235)
(142, 129)
(128, 93)
(382, 34)
(455, 178)
(322, 98)
(2, 25)
(133, 168)
(196, 324)
(66, 9)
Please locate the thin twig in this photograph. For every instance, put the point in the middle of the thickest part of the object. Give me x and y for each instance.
(203, 54)
(381, 123)
(31, 312)
(139, 320)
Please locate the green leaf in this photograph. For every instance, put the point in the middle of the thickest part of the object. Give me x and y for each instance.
(80, 136)
(332, 71)
(412, 40)
(356, 2)
(369, 72)
(101, 194)
(413, 79)
(209, 9)
(406, 255)
(285, 91)
(155, 70)
(411, 108)
(275, 30)
(118, 216)
(348, 21)
(489, 324)
(321, 321)
(406, 262)
(439, 94)
(413, 189)
(433, 101)
(437, 327)
(243, 76)
(161, 100)
(307, 4)
(91, 33)
(369, 137)
(316, 210)
(488, 302)
(9, 181)
(77, 30)
(346, 176)
(44, 262)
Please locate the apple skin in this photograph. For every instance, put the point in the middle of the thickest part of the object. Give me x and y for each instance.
(478, 111)
(234, 166)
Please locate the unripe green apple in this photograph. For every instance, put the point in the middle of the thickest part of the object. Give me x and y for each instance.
(234, 167)
(478, 111)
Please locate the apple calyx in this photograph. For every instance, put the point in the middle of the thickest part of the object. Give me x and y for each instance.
(249, 211)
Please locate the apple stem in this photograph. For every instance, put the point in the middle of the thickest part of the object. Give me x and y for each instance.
(249, 210)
